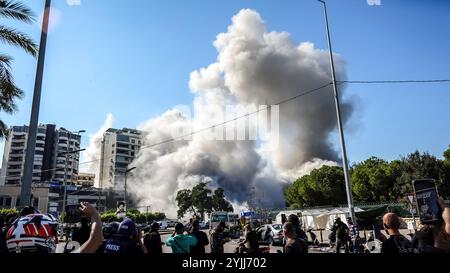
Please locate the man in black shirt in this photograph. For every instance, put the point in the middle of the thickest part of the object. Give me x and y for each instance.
(152, 240)
(397, 243)
(202, 239)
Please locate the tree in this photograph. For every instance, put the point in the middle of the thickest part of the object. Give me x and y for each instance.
(201, 199)
(219, 203)
(416, 166)
(324, 186)
(185, 203)
(372, 180)
(9, 91)
(447, 156)
(198, 201)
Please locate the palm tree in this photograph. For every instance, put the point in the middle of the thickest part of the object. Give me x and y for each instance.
(8, 89)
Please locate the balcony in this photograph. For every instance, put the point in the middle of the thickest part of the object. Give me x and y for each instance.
(18, 140)
(18, 152)
(15, 163)
(39, 148)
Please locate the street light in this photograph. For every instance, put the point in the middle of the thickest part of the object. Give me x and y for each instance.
(348, 184)
(27, 181)
(126, 172)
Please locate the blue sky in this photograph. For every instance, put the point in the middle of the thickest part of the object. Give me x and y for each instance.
(134, 61)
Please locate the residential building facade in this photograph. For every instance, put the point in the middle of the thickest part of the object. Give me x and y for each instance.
(119, 149)
(49, 163)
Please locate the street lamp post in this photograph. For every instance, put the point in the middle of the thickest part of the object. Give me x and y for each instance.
(126, 172)
(27, 181)
(339, 119)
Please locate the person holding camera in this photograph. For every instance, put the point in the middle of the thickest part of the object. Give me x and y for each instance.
(180, 242)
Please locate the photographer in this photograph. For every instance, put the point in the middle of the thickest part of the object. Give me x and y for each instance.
(126, 240)
(181, 242)
(152, 240)
(202, 239)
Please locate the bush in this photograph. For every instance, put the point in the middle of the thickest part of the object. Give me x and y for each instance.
(137, 216)
(5, 212)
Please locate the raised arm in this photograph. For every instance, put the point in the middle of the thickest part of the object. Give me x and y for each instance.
(445, 215)
(96, 237)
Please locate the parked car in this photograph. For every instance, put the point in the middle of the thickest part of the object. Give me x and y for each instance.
(171, 223)
(163, 224)
(270, 234)
(204, 225)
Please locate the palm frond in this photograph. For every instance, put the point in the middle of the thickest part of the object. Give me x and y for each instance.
(8, 89)
(4, 132)
(16, 10)
(17, 38)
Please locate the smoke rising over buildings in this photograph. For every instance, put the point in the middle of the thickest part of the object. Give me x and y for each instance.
(254, 67)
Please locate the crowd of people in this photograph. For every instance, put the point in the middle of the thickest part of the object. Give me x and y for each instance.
(31, 231)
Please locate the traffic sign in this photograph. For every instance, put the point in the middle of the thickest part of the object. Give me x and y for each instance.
(247, 213)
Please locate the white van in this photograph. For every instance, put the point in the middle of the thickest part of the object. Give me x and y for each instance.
(230, 219)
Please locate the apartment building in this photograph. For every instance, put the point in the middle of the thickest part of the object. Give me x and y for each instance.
(49, 162)
(119, 149)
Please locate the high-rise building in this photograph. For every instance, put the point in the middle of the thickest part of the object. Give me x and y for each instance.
(119, 149)
(49, 164)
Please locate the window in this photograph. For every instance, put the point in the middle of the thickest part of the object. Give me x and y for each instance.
(119, 145)
(122, 151)
(121, 159)
(122, 138)
(133, 141)
(5, 202)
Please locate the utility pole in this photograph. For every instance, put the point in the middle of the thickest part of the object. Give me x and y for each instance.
(25, 193)
(348, 184)
(65, 187)
(126, 172)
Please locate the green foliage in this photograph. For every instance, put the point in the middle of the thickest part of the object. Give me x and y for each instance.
(5, 212)
(447, 156)
(198, 201)
(219, 203)
(137, 216)
(374, 180)
(324, 186)
(417, 166)
(9, 91)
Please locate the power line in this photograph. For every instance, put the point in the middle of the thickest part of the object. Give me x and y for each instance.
(302, 94)
(395, 81)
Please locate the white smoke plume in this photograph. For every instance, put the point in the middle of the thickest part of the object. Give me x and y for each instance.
(254, 67)
(93, 151)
